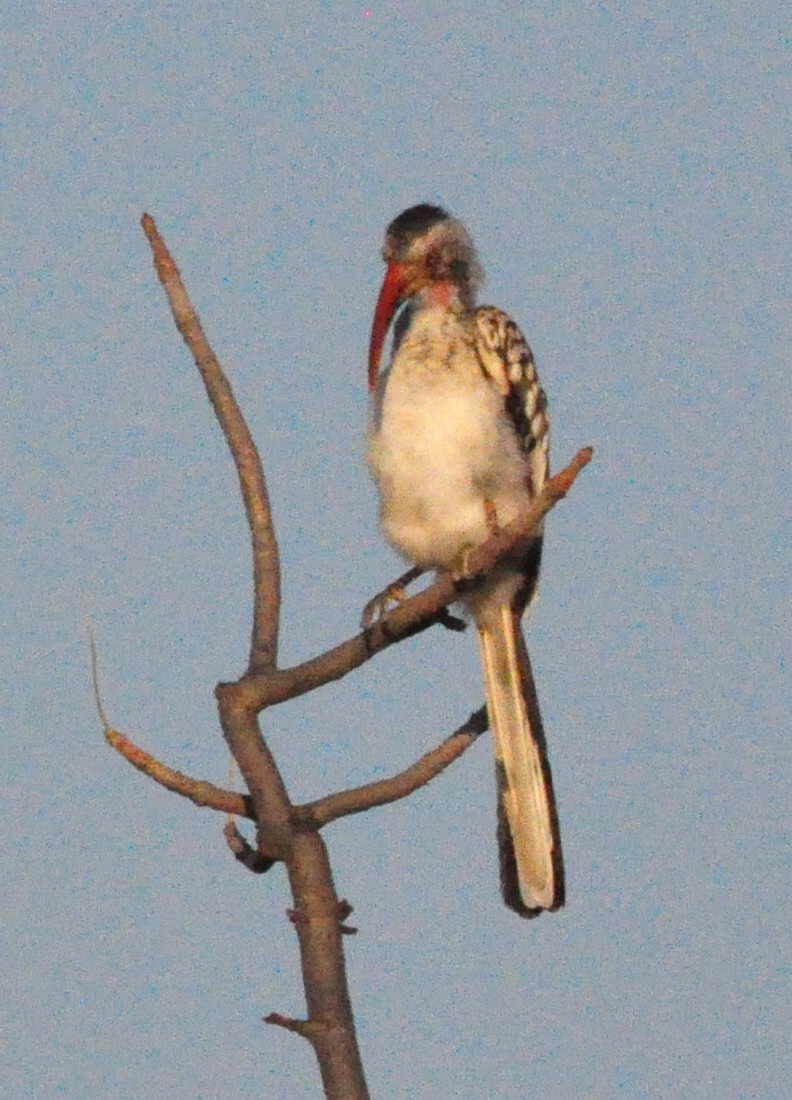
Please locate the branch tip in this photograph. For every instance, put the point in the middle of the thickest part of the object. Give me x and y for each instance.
(95, 677)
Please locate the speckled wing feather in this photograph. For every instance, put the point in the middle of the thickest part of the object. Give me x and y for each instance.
(507, 358)
(531, 864)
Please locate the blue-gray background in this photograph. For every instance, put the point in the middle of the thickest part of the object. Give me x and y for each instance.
(623, 167)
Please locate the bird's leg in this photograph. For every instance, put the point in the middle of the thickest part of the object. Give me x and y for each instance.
(491, 517)
(462, 572)
(396, 592)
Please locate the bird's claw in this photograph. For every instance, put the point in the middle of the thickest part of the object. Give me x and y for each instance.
(377, 608)
(462, 571)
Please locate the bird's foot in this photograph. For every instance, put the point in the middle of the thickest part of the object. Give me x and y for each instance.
(463, 571)
(378, 609)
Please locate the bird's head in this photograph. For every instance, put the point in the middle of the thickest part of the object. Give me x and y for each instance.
(425, 248)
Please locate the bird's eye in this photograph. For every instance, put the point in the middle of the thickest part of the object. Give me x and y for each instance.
(434, 264)
(459, 271)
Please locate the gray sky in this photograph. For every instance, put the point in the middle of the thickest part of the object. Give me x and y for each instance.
(624, 170)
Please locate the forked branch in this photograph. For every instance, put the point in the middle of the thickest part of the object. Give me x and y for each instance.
(330, 1024)
(311, 815)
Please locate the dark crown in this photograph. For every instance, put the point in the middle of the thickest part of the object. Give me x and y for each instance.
(415, 222)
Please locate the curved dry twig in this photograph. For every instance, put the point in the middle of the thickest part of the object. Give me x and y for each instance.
(380, 793)
(247, 855)
(198, 791)
(266, 560)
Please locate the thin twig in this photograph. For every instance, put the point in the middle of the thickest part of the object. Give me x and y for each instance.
(198, 791)
(95, 676)
(380, 793)
(266, 562)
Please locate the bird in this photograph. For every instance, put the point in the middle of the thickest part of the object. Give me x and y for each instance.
(458, 444)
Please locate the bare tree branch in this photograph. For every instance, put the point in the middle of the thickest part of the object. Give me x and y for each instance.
(266, 561)
(354, 801)
(317, 918)
(197, 790)
(330, 1026)
(313, 815)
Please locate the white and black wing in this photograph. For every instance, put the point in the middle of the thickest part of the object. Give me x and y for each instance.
(507, 358)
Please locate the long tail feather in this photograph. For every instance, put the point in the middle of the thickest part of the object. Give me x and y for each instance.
(532, 873)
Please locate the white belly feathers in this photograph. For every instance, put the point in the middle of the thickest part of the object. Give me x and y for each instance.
(441, 444)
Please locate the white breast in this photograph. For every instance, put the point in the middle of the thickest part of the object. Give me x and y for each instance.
(441, 444)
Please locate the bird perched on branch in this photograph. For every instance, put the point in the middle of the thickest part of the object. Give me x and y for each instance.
(458, 446)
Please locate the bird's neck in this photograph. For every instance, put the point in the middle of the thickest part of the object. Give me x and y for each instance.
(435, 313)
(445, 295)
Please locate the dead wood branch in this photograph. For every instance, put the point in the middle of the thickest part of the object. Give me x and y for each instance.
(266, 561)
(354, 801)
(197, 790)
(330, 1025)
(310, 815)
